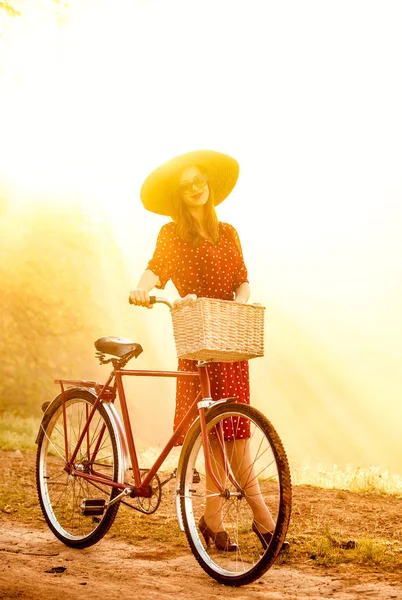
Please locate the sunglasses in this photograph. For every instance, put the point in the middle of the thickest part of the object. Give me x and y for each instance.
(199, 181)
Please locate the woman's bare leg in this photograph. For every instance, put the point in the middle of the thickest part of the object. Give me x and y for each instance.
(214, 502)
(241, 462)
(239, 455)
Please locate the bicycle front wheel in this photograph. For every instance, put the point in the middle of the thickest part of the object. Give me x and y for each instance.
(62, 495)
(257, 483)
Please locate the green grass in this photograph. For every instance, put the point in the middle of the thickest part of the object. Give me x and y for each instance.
(331, 548)
(133, 526)
(355, 479)
(21, 500)
(18, 433)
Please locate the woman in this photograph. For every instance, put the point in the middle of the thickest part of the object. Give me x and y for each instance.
(203, 258)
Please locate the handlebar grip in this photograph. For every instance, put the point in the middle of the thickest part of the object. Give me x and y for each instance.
(155, 300)
(152, 300)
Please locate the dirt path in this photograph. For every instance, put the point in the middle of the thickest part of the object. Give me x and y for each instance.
(149, 557)
(114, 569)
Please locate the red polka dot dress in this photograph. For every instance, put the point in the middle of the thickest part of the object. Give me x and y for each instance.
(209, 271)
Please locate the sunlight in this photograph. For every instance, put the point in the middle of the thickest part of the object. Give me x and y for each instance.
(95, 94)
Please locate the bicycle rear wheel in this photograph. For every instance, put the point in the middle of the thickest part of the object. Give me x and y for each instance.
(61, 495)
(261, 474)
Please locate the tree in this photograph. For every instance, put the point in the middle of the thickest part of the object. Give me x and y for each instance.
(57, 271)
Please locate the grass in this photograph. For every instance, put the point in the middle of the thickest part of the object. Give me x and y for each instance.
(18, 433)
(331, 548)
(355, 479)
(132, 527)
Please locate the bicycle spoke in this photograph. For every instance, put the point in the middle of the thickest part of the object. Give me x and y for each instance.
(250, 482)
(63, 494)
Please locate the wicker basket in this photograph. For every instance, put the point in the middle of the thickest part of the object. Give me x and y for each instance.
(218, 330)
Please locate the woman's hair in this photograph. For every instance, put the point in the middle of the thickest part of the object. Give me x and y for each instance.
(186, 226)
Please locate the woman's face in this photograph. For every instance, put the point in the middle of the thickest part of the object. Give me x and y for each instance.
(193, 187)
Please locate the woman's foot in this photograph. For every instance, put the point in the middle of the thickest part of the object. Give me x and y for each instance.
(266, 538)
(220, 538)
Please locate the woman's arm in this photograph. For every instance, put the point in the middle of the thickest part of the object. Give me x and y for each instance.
(242, 293)
(140, 296)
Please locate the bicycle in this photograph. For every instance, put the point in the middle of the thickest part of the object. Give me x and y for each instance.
(87, 465)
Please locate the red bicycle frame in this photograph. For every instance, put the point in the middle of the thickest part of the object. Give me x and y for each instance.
(108, 393)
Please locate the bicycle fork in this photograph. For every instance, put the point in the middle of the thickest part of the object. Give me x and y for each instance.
(203, 406)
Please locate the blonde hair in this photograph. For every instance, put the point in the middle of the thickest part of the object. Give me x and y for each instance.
(186, 226)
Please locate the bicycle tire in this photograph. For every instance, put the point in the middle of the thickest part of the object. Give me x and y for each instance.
(250, 561)
(61, 494)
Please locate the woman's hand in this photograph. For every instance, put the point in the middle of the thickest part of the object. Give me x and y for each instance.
(186, 300)
(140, 298)
(242, 294)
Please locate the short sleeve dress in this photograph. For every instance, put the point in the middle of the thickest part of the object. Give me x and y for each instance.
(209, 271)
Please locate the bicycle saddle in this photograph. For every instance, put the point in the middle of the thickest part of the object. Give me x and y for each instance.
(117, 346)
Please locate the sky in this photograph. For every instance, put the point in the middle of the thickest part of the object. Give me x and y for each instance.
(306, 96)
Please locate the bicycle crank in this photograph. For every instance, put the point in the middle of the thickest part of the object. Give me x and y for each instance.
(95, 507)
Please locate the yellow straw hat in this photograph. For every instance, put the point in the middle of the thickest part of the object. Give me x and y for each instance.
(157, 190)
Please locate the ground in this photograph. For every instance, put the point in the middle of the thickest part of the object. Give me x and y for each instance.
(147, 555)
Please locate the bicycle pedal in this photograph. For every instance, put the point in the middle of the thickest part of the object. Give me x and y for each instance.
(93, 507)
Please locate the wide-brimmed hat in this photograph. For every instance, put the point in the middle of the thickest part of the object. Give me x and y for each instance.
(158, 188)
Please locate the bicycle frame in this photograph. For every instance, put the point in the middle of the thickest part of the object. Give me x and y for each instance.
(107, 393)
(231, 482)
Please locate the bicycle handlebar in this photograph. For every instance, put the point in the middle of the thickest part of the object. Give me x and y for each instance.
(160, 300)
(157, 300)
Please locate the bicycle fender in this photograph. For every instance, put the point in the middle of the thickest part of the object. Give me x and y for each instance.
(49, 408)
(120, 436)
